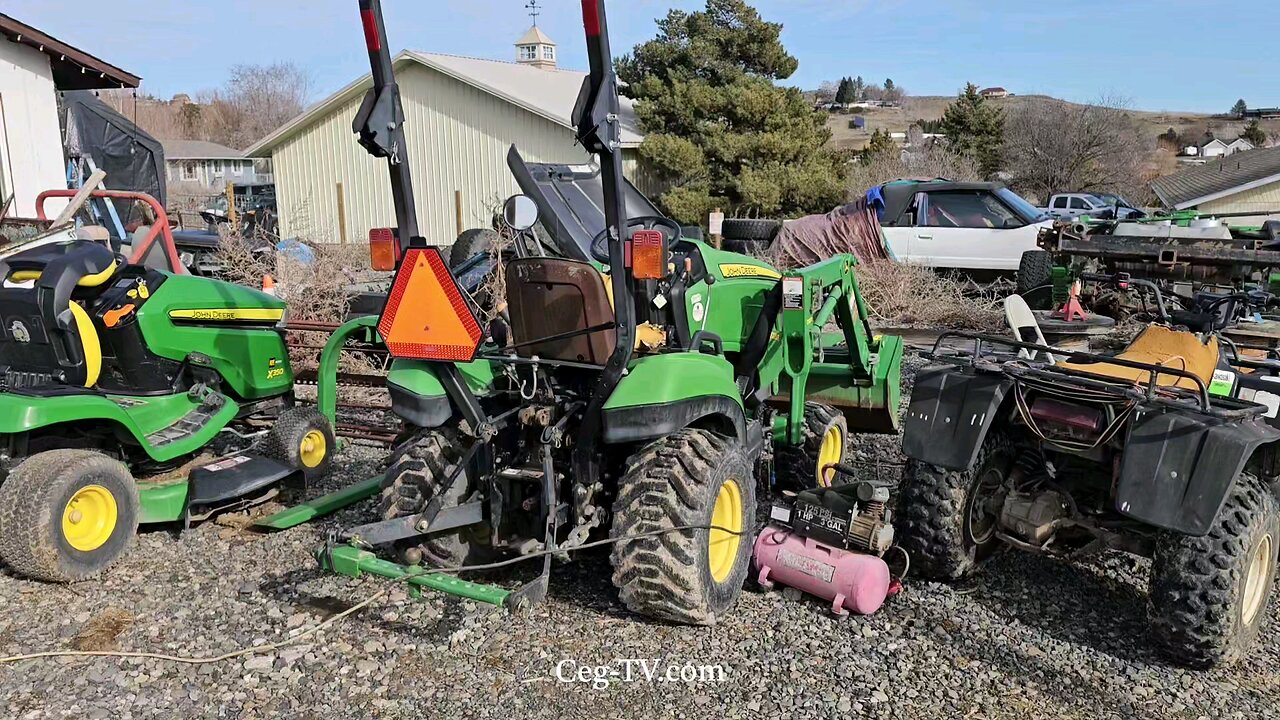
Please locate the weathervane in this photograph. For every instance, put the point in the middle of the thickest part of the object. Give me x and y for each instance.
(532, 5)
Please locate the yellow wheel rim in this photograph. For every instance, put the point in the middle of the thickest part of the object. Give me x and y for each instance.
(722, 545)
(313, 448)
(89, 518)
(830, 451)
(1255, 581)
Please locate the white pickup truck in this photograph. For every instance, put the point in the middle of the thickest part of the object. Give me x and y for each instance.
(971, 226)
(1069, 206)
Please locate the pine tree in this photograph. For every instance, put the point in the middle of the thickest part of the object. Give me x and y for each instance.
(859, 89)
(974, 128)
(716, 124)
(1254, 134)
(844, 94)
(880, 145)
(1238, 110)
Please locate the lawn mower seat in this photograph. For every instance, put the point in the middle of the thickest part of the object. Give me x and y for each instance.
(45, 336)
(1160, 345)
(554, 296)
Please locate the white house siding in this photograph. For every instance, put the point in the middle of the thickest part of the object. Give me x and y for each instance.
(30, 143)
(1264, 200)
(458, 137)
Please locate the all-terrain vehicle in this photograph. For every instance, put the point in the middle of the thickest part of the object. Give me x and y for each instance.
(1166, 450)
(640, 384)
(132, 392)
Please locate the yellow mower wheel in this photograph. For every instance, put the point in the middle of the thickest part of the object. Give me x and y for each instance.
(301, 438)
(67, 515)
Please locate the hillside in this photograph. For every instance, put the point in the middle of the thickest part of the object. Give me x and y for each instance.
(931, 108)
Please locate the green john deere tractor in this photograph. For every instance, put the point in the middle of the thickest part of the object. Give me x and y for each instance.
(131, 393)
(640, 384)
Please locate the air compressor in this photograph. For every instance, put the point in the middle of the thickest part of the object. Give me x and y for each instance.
(831, 543)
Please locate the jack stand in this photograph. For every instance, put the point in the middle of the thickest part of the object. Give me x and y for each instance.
(1072, 310)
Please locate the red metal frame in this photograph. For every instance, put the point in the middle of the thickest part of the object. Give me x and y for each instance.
(159, 230)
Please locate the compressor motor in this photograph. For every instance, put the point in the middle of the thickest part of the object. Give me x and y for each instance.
(829, 543)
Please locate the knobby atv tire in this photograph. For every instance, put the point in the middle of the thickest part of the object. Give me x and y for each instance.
(1035, 269)
(669, 483)
(283, 442)
(797, 466)
(32, 501)
(471, 243)
(418, 468)
(1197, 591)
(933, 513)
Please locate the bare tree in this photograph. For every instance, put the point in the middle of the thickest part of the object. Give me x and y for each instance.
(255, 100)
(1061, 147)
(928, 160)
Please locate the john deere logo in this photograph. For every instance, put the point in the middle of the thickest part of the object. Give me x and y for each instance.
(20, 332)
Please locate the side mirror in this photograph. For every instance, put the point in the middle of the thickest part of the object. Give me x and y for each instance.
(520, 212)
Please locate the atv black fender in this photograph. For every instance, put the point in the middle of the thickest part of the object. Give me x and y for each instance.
(1179, 466)
(951, 410)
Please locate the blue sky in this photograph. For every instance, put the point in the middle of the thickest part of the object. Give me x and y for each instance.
(1160, 54)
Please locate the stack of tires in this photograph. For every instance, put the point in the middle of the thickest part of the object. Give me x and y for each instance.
(749, 236)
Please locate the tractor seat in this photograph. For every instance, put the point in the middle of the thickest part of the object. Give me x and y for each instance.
(46, 337)
(554, 296)
(1160, 345)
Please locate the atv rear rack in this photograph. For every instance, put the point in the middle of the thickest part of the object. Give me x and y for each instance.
(1152, 392)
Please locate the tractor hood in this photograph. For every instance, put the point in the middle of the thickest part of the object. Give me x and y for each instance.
(570, 201)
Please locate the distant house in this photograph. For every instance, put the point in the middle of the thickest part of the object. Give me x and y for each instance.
(993, 92)
(34, 67)
(1216, 147)
(200, 167)
(1246, 182)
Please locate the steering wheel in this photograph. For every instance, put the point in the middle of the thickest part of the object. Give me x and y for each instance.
(600, 243)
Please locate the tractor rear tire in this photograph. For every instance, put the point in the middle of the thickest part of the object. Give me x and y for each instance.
(67, 515)
(471, 243)
(1035, 269)
(692, 477)
(301, 438)
(418, 467)
(1209, 595)
(944, 519)
(798, 466)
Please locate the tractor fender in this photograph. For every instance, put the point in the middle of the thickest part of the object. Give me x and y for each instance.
(1178, 467)
(950, 412)
(418, 396)
(661, 394)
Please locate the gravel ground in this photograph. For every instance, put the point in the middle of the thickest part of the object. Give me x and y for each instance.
(1028, 638)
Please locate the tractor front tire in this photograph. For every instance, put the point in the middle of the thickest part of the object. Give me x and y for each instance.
(67, 515)
(418, 468)
(946, 519)
(1209, 595)
(691, 576)
(1035, 269)
(826, 441)
(302, 438)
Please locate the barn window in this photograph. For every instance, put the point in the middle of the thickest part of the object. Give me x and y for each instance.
(548, 52)
(528, 52)
(188, 170)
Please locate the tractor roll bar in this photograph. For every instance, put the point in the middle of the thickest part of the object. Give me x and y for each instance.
(159, 229)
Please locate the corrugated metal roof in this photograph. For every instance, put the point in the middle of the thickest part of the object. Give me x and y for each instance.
(1218, 176)
(198, 150)
(550, 93)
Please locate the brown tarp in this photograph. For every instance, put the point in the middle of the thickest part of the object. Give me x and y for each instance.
(852, 228)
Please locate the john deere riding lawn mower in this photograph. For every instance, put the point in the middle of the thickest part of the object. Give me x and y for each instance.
(129, 395)
(640, 385)
(1167, 450)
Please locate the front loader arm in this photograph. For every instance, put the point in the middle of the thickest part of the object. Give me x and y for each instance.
(853, 368)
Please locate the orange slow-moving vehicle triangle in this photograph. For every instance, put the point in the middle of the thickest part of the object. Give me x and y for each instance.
(426, 317)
